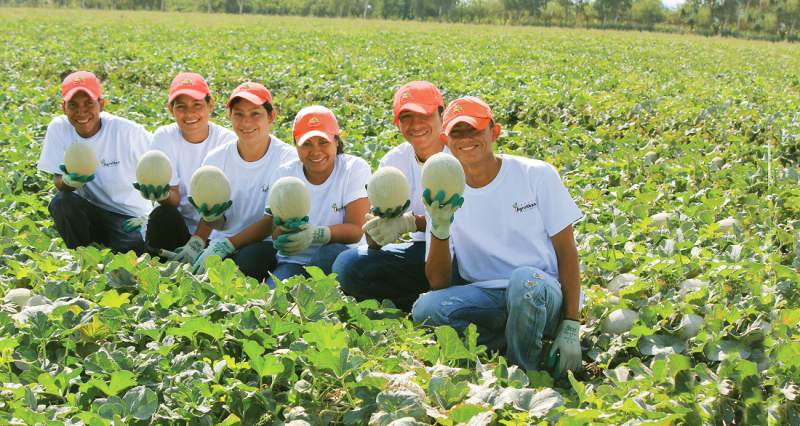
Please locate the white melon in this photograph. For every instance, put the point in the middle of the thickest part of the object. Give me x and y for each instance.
(387, 188)
(209, 185)
(717, 163)
(690, 326)
(691, 285)
(619, 321)
(621, 281)
(660, 219)
(154, 168)
(650, 157)
(289, 198)
(17, 296)
(727, 224)
(442, 172)
(79, 158)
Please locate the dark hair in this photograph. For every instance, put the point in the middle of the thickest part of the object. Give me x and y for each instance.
(339, 145)
(267, 106)
(441, 110)
(207, 99)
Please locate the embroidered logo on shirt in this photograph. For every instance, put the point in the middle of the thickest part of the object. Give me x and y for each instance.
(109, 163)
(525, 206)
(265, 188)
(336, 209)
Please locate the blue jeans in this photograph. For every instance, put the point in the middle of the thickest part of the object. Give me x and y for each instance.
(395, 272)
(323, 258)
(81, 223)
(256, 259)
(515, 318)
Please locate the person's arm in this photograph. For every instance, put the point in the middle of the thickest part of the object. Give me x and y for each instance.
(253, 233)
(422, 224)
(439, 264)
(203, 230)
(174, 197)
(568, 271)
(350, 231)
(60, 185)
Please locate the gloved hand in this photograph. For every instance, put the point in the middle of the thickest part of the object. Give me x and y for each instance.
(188, 253)
(134, 224)
(296, 242)
(152, 192)
(566, 348)
(221, 248)
(441, 212)
(287, 225)
(211, 213)
(397, 211)
(386, 230)
(73, 179)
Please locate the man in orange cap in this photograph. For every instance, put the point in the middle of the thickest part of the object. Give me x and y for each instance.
(518, 279)
(396, 270)
(92, 209)
(186, 142)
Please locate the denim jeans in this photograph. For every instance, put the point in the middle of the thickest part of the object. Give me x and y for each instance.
(514, 318)
(395, 272)
(81, 223)
(323, 258)
(166, 229)
(256, 259)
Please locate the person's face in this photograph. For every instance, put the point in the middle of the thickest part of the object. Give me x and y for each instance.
(251, 122)
(470, 145)
(420, 130)
(191, 114)
(317, 155)
(83, 113)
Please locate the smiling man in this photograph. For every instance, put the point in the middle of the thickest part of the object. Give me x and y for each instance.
(517, 276)
(92, 209)
(388, 269)
(186, 142)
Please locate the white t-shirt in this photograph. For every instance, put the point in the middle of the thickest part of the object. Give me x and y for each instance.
(186, 157)
(404, 158)
(118, 146)
(249, 181)
(346, 184)
(508, 223)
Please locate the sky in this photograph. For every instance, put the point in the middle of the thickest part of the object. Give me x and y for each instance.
(672, 4)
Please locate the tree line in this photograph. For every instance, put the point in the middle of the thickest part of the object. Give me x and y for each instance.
(764, 19)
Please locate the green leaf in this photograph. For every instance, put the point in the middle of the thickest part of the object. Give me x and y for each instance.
(451, 346)
(326, 336)
(445, 393)
(112, 299)
(141, 402)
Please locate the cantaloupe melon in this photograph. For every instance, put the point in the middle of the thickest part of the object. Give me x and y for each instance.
(79, 158)
(387, 189)
(209, 186)
(17, 296)
(289, 198)
(442, 172)
(619, 321)
(690, 326)
(154, 168)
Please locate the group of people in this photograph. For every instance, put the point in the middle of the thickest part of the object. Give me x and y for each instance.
(501, 256)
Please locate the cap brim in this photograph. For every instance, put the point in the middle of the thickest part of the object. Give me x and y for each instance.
(476, 122)
(308, 135)
(246, 95)
(415, 107)
(194, 94)
(72, 93)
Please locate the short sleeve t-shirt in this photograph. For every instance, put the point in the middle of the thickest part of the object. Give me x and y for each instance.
(250, 181)
(404, 158)
(509, 222)
(346, 184)
(186, 157)
(118, 146)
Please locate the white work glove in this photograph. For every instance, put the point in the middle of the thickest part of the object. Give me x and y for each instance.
(134, 224)
(386, 230)
(441, 212)
(222, 248)
(187, 253)
(296, 242)
(74, 180)
(566, 348)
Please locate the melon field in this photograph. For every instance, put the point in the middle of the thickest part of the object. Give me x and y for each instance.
(681, 151)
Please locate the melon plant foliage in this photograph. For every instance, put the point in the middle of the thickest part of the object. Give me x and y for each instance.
(120, 339)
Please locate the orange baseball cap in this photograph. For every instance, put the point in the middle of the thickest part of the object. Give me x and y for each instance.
(467, 109)
(253, 92)
(188, 83)
(417, 96)
(313, 121)
(81, 81)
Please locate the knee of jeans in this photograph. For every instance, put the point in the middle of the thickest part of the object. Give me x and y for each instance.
(61, 202)
(528, 285)
(163, 212)
(434, 309)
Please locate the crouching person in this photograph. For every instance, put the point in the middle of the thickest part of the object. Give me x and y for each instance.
(95, 196)
(516, 259)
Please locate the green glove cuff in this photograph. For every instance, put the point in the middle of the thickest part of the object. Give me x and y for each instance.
(393, 212)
